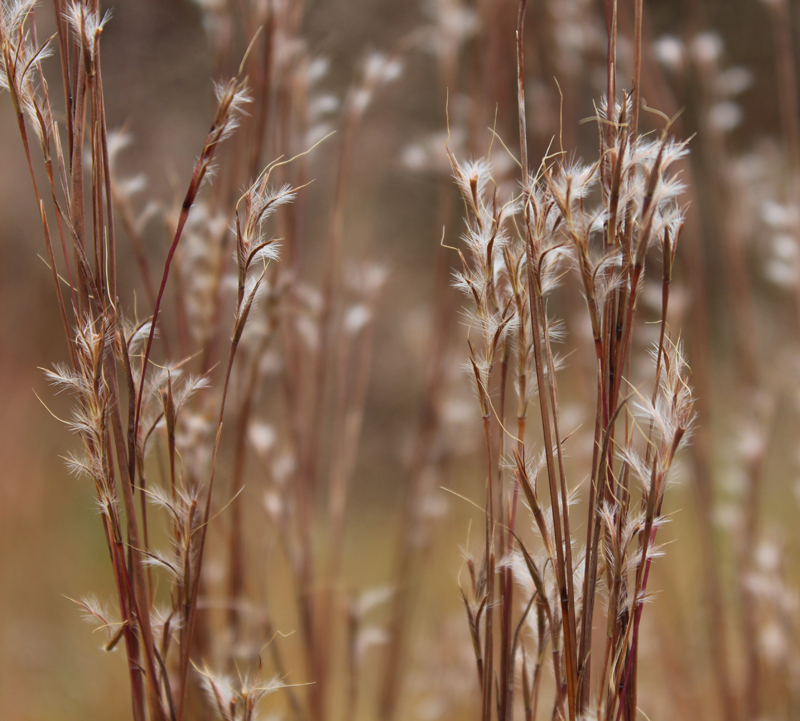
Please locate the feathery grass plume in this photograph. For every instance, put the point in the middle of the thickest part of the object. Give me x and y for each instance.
(509, 275)
(104, 347)
(152, 429)
(234, 701)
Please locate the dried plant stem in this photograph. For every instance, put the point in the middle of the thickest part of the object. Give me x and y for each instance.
(638, 11)
(611, 63)
(488, 651)
(188, 201)
(191, 616)
(42, 215)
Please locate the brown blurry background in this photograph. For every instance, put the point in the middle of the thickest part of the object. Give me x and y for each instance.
(157, 74)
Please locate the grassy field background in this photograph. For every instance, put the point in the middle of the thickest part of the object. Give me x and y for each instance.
(157, 70)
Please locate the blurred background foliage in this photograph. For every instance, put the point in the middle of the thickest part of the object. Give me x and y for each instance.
(157, 71)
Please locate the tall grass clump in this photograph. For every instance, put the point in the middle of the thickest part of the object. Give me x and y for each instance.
(238, 356)
(122, 401)
(746, 184)
(527, 601)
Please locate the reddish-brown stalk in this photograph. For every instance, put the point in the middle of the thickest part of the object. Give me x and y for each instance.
(542, 359)
(243, 307)
(638, 11)
(43, 217)
(222, 119)
(488, 651)
(125, 457)
(669, 246)
(355, 359)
